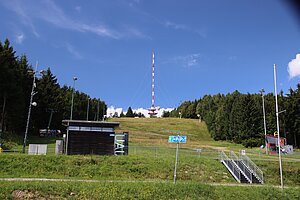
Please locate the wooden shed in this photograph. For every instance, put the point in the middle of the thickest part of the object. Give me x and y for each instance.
(90, 137)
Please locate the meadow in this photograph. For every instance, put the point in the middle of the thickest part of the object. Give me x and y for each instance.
(147, 172)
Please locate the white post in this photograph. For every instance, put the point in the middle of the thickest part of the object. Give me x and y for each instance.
(98, 110)
(71, 115)
(277, 120)
(67, 139)
(264, 113)
(176, 161)
(87, 110)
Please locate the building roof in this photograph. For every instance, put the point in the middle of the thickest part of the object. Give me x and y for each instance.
(90, 123)
(273, 139)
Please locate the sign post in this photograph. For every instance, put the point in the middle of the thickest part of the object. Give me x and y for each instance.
(176, 139)
(176, 162)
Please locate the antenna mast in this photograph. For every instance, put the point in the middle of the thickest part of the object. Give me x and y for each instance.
(152, 110)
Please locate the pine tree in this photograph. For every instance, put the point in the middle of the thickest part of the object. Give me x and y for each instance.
(49, 101)
(129, 113)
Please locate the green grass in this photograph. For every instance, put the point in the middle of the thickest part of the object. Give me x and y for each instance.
(151, 158)
(139, 190)
(155, 131)
(131, 167)
(142, 163)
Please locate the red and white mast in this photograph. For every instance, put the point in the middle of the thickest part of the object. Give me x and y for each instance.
(152, 110)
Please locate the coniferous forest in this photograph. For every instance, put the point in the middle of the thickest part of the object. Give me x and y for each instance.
(238, 117)
(233, 117)
(16, 80)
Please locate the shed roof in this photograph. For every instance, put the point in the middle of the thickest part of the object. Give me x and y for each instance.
(90, 123)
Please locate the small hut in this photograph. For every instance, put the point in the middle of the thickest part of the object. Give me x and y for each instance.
(272, 143)
(90, 137)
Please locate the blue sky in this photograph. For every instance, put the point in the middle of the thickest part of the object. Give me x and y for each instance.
(201, 46)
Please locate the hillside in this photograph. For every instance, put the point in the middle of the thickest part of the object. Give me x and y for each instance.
(147, 172)
(155, 132)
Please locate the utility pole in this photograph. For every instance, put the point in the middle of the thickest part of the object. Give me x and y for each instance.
(98, 110)
(50, 119)
(262, 91)
(278, 136)
(29, 109)
(87, 109)
(72, 101)
(103, 117)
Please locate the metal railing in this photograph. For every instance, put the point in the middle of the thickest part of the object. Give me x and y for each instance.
(244, 169)
(230, 165)
(253, 167)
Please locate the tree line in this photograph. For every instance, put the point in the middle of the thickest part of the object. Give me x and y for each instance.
(53, 101)
(238, 117)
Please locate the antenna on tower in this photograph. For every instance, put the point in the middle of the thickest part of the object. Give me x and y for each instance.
(153, 109)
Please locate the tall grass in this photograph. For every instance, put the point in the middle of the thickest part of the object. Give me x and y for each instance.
(155, 131)
(139, 190)
(131, 167)
(142, 163)
(151, 158)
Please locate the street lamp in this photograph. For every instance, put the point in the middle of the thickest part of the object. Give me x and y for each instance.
(30, 105)
(74, 79)
(278, 136)
(87, 109)
(199, 116)
(262, 91)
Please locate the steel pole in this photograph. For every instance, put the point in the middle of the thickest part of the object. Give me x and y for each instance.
(71, 115)
(29, 109)
(87, 110)
(176, 162)
(278, 134)
(265, 125)
(98, 110)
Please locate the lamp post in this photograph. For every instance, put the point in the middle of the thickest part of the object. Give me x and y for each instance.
(262, 91)
(73, 88)
(278, 136)
(199, 116)
(104, 114)
(87, 109)
(30, 105)
(98, 109)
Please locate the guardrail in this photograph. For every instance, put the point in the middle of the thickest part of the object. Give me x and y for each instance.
(244, 170)
(256, 171)
(231, 166)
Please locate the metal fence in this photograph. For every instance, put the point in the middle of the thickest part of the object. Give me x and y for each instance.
(167, 151)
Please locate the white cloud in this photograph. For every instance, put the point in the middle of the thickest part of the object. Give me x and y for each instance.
(232, 58)
(78, 8)
(73, 51)
(48, 11)
(134, 32)
(294, 67)
(133, 3)
(18, 8)
(146, 111)
(187, 61)
(201, 32)
(20, 38)
(169, 24)
(112, 110)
